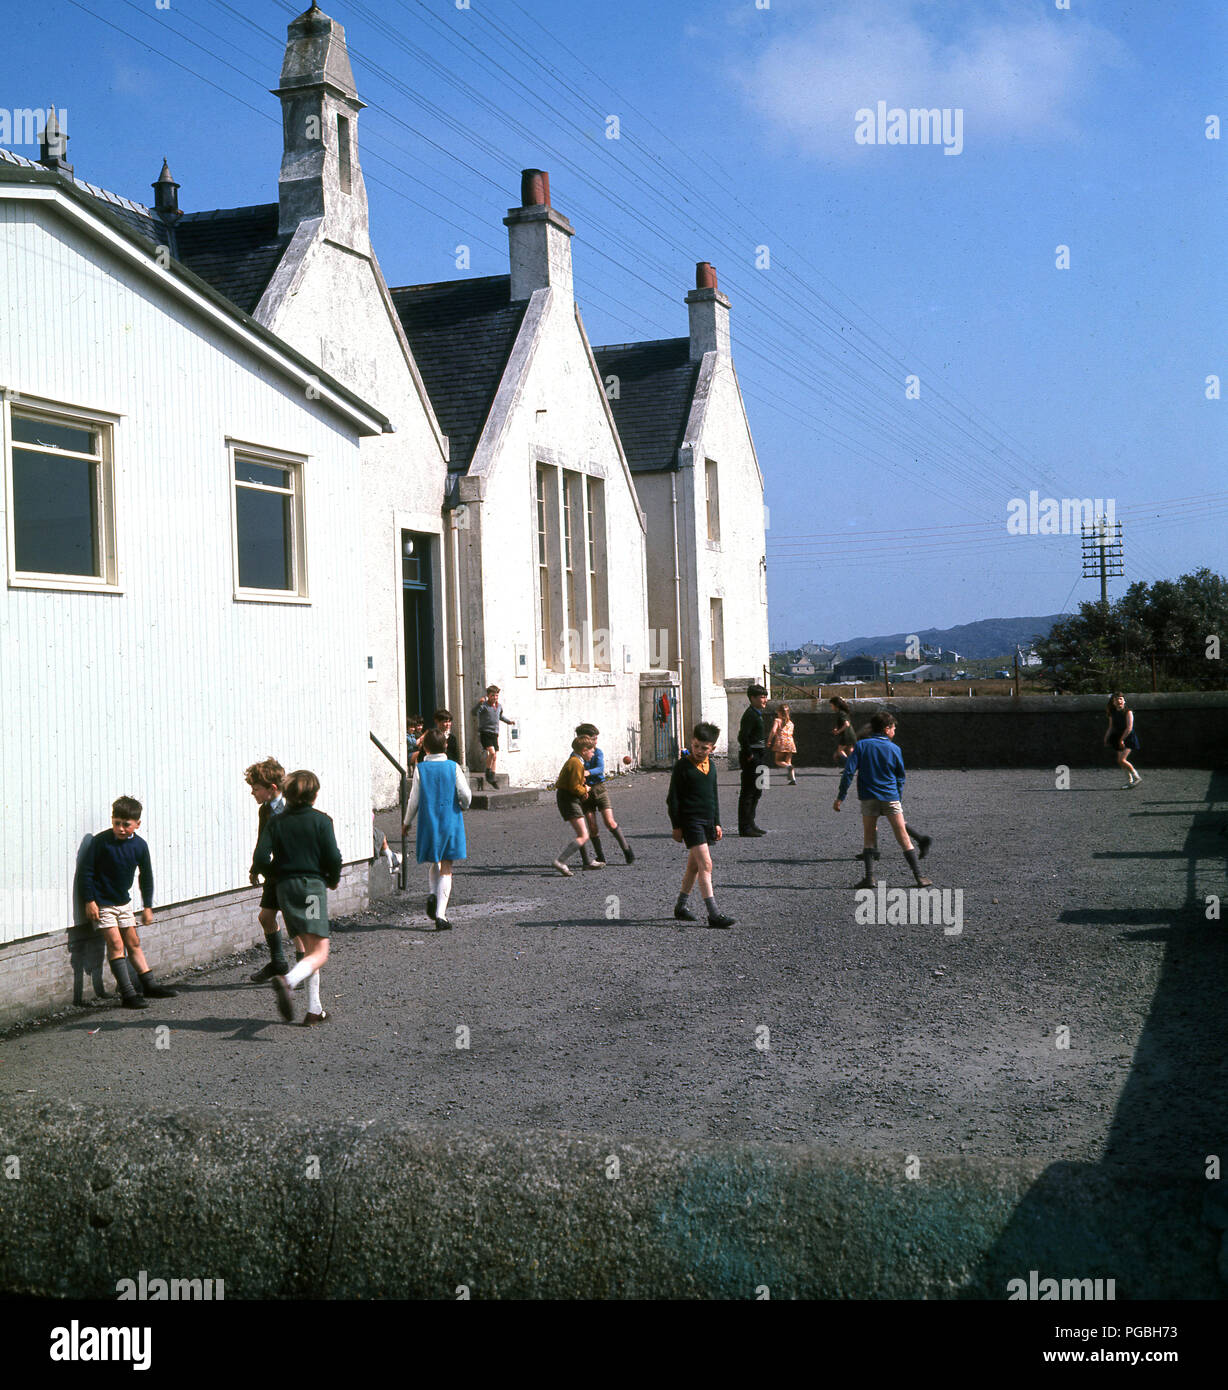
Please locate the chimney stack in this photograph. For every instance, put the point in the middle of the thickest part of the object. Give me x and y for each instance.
(709, 314)
(320, 173)
(166, 195)
(53, 146)
(539, 240)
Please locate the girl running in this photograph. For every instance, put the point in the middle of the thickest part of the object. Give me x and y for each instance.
(1120, 735)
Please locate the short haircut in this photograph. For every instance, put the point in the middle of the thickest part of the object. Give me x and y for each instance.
(126, 808)
(587, 731)
(301, 788)
(882, 720)
(435, 741)
(579, 743)
(441, 714)
(413, 721)
(705, 732)
(753, 690)
(492, 690)
(268, 773)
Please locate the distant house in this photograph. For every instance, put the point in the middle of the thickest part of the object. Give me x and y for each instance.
(855, 668)
(929, 672)
(804, 667)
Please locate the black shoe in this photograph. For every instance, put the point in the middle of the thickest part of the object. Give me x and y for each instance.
(156, 991)
(285, 1003)
(753, 833)
(266, 972)
(431, 903)
(684, 914)
(720, 920)
(629, 855)
(134, 1001)
(923, 845)
(441, 925)
(868, 882)
(490, 777)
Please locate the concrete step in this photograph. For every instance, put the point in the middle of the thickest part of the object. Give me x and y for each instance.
(478, 782)
(505, 799)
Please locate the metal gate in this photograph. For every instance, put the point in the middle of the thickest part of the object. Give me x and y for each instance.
(666, 724)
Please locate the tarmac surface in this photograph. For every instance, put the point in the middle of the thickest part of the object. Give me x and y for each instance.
(588, 1008)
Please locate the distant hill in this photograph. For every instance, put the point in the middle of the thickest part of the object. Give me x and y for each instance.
(988, 638)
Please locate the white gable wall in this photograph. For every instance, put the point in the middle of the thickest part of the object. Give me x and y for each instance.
(329, 303)
(730, 569)
(553, 413)
(168, 690)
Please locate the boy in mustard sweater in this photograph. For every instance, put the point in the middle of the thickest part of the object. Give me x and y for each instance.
(572, 788)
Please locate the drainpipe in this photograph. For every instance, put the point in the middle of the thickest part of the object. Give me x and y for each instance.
(673, 498)
(458, 698)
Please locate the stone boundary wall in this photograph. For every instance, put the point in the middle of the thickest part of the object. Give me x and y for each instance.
(1174, 730)
(43, 974)
(279, 1207)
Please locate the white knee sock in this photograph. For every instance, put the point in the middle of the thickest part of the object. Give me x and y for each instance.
(298, 974)
(432, 878)
(313, 993)
(444, 892)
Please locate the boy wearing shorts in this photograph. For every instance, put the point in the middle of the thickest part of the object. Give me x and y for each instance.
(879, 766)
(695, 814)
(597, 802)
(265, 781)
(115, 857)
(490, 715)
(569, 797)
(300, 848)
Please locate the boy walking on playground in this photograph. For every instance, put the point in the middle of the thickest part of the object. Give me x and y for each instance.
(571, 791)
(301, 849)
(265, 780)
(695, 815)
(879, 767)
(597, 802)
(490, 715)
(114, 858)
(438, 797)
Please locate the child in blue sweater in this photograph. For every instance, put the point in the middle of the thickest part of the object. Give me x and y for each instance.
(598, 799)
(879, 768)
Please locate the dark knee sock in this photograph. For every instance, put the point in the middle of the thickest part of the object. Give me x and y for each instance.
(710, 904)
(620, 837)
(867, 858)
(596, 840)
(125, 981)
(911, 856)
(683, 899)
(151, 989)
(276, 942)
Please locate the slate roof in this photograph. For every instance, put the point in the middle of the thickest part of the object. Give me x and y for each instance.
(656, 383)
(461, 333)
(235, 250)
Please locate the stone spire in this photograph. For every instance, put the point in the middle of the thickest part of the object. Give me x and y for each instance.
(53, 145)
(166, 195)
(320, 172)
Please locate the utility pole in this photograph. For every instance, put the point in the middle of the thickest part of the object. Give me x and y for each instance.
(1103, 554)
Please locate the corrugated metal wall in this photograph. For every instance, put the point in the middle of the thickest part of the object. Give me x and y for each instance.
(168, 690)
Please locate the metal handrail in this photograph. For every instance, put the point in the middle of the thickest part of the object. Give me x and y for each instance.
(404, 802)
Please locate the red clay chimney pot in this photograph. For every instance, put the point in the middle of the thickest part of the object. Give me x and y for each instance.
(705, 275)
(534, 188)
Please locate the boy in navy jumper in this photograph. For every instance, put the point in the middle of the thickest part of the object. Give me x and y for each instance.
(113, 860)
(879, 767)
(695, 814)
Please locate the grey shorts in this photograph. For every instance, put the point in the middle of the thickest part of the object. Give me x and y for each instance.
(881, 808)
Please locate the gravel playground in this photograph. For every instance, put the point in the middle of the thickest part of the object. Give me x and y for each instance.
(1077, 1015)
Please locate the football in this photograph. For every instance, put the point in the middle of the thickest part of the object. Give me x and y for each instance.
(627, 759)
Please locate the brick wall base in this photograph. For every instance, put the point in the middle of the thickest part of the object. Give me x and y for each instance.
(47, 973)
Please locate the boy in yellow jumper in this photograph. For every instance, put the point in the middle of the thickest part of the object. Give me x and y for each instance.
(572, 788)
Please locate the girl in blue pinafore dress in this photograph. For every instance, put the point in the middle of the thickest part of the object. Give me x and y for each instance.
(440, 793)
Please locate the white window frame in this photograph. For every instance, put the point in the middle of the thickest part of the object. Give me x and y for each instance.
(712, 504)
(104, 423)
(266, 457)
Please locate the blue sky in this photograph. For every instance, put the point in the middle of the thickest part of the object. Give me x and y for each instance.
(1082, 128)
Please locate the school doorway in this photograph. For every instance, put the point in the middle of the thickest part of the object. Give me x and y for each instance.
(417, 588)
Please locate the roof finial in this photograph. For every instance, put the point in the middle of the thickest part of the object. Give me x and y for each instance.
(53, 145)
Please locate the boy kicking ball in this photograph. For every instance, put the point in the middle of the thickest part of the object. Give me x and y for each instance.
(695, 814)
